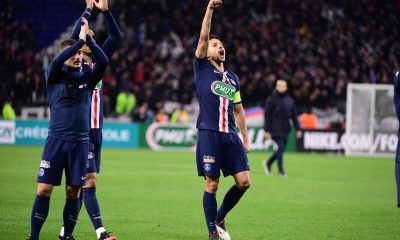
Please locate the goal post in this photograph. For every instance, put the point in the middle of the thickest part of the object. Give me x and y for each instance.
(371, 121)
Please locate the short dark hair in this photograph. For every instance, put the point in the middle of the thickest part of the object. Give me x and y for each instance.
(212, 36)
(66, 43)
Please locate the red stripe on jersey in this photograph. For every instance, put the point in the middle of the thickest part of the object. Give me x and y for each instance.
(95, 112)
(224, 104)
(223, 114)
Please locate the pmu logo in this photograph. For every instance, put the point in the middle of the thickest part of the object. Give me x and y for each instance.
(171, 136)
(222, 89)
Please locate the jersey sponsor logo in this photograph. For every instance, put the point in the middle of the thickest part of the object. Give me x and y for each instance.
(208, 159)
(83, 178)
(171, 136)
(222, 89)
(44, 164)
(99, 85)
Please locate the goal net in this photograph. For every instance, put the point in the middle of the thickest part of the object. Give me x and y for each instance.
(371, 122)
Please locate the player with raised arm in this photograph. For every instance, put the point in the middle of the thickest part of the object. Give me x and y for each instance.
(67, 145)
(96, 115)
(219, 146)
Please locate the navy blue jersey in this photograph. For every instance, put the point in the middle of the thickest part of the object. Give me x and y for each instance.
(69, 93)
(396, 84)
(110, 45)
(217, 92)
(96, 106)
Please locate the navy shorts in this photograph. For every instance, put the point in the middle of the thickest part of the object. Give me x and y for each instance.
(220, 151)
(59, 155)
(96, 140)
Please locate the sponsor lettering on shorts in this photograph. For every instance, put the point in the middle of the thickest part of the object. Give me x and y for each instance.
(44, 164)
(208, 159)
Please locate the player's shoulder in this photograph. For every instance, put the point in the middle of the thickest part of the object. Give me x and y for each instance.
(233, 78)
(233, 75)
(200, 61)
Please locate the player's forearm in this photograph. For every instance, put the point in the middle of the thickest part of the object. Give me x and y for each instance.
(202, 47)
(98, 53)
(206, 24)
(59, 60)
(77, 28)
(114, 35)
(101, 62)
(241, 122)
(67, 53)
(112, 26)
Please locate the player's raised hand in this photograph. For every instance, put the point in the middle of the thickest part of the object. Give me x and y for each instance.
(89, 4)
(214, 3)
(101, 4)
(84, 29)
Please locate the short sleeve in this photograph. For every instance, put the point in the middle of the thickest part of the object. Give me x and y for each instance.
(199, 63)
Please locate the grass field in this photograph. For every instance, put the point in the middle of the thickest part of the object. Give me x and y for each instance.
(152, 195)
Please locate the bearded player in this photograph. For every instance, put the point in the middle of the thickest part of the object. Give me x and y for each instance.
(219, 146)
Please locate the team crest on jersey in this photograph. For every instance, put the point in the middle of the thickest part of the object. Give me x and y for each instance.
(99, 85)
(207, 167)
(232, 82)
(41, 172)
(222, 89)
(208, 159)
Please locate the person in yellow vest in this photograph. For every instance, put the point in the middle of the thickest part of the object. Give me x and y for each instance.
(8, 112)
(180, 115)
(126, 102)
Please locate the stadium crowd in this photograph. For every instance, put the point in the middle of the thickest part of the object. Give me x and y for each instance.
(318, 46)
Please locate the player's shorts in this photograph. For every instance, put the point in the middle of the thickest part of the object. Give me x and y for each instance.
(218, 151)
(94, 157)
(58, 155)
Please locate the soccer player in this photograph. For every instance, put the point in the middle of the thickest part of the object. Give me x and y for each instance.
(396, 99)
(67, 144)
(96, 116)
(219, 146)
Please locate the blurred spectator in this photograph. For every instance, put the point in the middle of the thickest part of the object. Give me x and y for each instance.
(308, 120)
(180, 115)
(320, 46)
(126, 102)
(8, 111)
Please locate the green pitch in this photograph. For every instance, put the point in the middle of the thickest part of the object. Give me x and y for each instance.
(152, 195)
